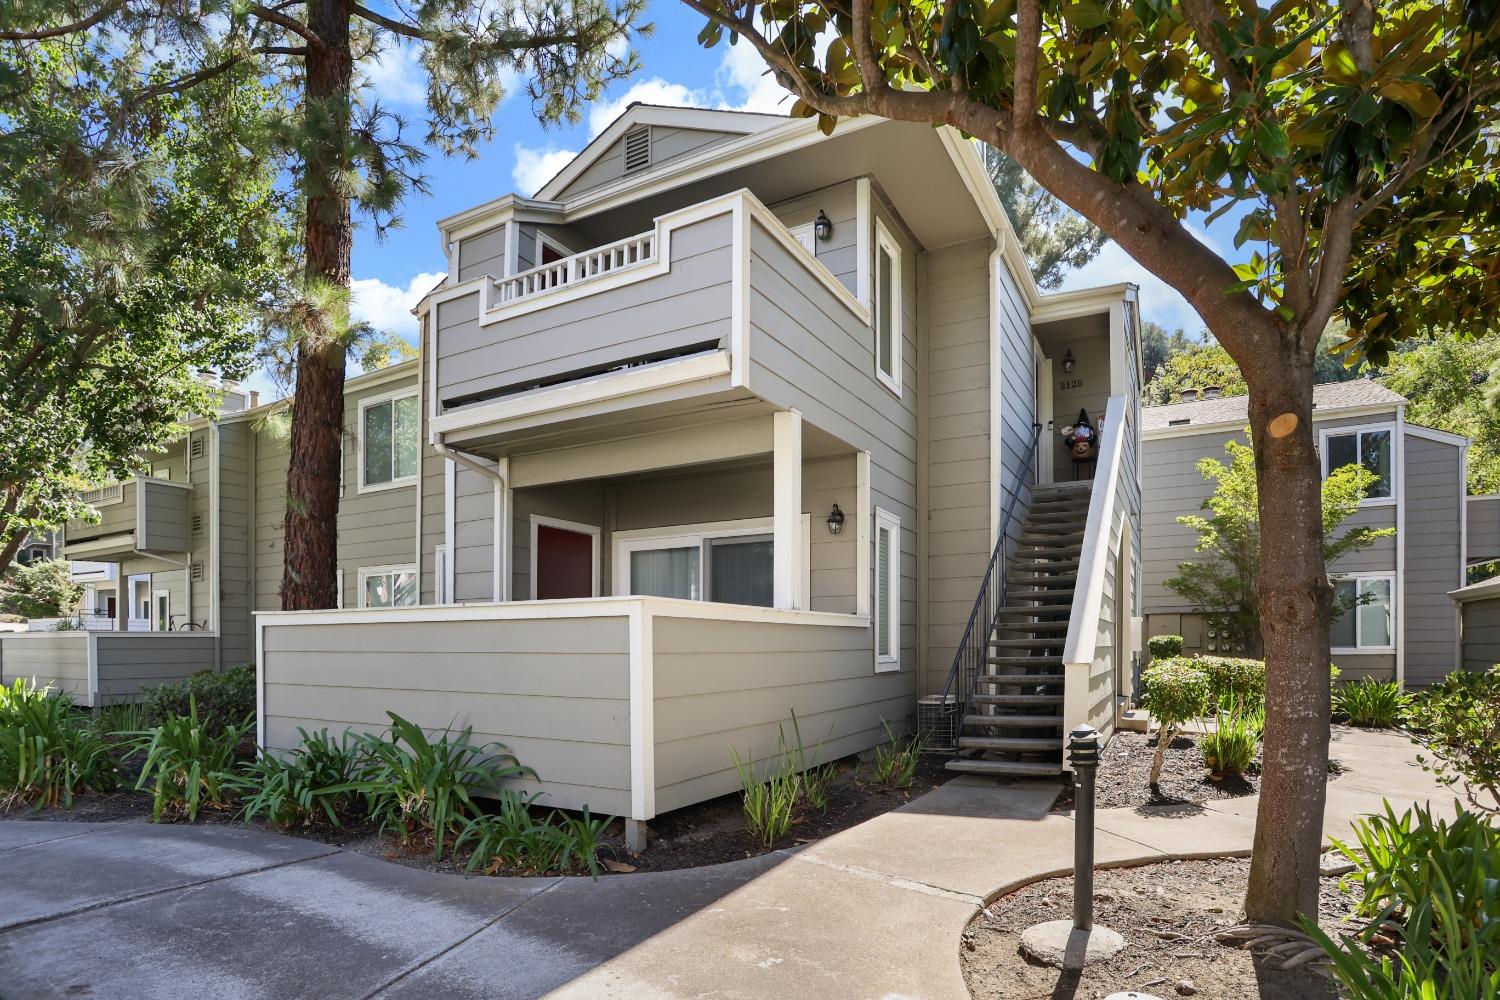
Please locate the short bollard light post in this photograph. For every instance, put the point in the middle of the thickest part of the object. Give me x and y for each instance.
(1083, 758)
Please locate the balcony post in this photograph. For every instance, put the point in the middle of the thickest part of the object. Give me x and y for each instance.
(786, 438)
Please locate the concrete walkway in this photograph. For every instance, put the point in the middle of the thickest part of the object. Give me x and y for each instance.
(140, 911)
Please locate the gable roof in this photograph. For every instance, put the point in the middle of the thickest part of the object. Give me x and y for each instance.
(711, 119)
(1206, 413)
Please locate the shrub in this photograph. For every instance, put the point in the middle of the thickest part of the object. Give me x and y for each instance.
(189, 765)
(1433, 885)
(769, 803)
(1459, 726)
(48, 752)
(1233, 680)
(311, 785)
(424, 787)
(895, 762)
(1164, 646)
(1372, 703)
(512, 837)
(223, 699)
(1231, 748)
(120, 718)
(1176, 691)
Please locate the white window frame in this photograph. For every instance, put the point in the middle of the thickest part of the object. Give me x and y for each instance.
(592, 530)
(1357, 430)
(807, 235)
(359, 433)
(440, 574)
(365, 572)
(887, 521)
(543, 239)
(156, 623)
(680, 536)
(884, 240)
(1395, 612)
(338, 597)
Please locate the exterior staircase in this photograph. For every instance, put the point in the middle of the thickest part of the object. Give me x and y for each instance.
(1013, 723)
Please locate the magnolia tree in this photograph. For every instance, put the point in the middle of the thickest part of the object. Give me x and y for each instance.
(1358, 140)
(345, 153)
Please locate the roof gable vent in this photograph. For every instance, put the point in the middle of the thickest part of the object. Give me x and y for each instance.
(637, 148)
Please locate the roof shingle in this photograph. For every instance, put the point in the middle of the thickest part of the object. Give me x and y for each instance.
(1328, 396)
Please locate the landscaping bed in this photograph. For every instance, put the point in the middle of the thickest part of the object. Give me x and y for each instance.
(1168, 914)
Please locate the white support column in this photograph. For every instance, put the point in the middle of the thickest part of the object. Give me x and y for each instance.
(786, 508)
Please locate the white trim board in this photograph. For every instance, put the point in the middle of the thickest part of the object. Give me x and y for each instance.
(359, 445)
(624, 542)
(1397, 453)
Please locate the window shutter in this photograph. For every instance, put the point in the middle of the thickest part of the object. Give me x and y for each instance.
(637, 149)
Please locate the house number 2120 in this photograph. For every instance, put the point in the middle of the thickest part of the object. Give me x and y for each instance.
(1070, 383)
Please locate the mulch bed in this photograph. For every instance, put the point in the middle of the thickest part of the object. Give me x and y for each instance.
(1168, 913)
(708, 833)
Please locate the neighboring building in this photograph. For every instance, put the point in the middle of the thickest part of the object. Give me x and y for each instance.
(37, 548)
(1479, 615)
(720, 425)
(1408, 630)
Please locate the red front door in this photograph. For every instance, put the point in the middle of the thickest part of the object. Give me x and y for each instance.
(564, 563)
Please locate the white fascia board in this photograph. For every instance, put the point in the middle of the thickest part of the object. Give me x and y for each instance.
(1077, 302)
(1221, 426)
(1441, 437)
(1477, 591)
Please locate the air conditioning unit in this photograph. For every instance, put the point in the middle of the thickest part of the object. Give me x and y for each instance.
(939, 720)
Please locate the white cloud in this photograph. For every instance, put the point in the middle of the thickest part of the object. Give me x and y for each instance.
(743, 75)
(1160, 302)
(652, 91)
(535, 167)
(388, 307)
(396, 75)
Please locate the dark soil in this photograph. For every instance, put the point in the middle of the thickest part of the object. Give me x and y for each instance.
(708, 833)
(1124, 777)
(1168, 914)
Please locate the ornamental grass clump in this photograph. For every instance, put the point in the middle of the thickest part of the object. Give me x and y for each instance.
(189, 764)
(512, 837)
(1432, 885)
(48, 752)
(1230, 750)
(1458, 725)
(1176, 692)
(310, 785)
(1371, 703)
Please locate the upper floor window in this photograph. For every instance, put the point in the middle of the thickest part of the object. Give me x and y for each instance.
(388, 451)
(1366, 446)
(887, 308)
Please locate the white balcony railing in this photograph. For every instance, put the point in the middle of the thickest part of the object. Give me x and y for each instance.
(103, 496)
(630, 252)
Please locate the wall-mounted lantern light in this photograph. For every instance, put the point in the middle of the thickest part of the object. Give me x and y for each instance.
(835, 520)
(822, 227)
(1068, 362)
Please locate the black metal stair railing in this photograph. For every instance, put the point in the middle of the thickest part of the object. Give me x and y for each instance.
(973, 649)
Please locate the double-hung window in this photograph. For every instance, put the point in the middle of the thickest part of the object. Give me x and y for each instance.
(887, 590)
(1369, 626)
(387, 586)
(886, 314)
(388, 452)
(1370, 447)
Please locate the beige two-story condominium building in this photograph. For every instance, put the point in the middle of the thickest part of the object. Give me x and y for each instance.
(733, 419)
(1407, 626)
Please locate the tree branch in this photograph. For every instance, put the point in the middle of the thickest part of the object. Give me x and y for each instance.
(864, 48)
(1205, 21)
(84, 24)
(1028, 42)
(291, 24)
(389, 23)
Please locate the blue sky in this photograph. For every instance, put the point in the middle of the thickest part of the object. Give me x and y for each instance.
(390, 275)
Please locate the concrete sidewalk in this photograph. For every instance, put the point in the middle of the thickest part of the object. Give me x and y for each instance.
(140, 911)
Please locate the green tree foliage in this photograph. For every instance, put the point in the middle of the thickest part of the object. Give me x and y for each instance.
(1157, 345)
(344, 153)
(1447, 379)
(137, 238)
(1053, 237)
(1224, 580)
(41, 590)
(1196, 366)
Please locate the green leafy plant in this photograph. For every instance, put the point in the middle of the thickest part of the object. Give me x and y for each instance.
(189, 765)
(43, 589)
(1458, 725)
(1163, 646)
(223, 699)
(895, 761)
(1176, 692)
(1436, 887)
(512, 837)
(120, 718)
(420, 786)
(47, 751)
(310, 785)
(1370, 702)
(1232, 746)
(1232, 679)
(769, 802)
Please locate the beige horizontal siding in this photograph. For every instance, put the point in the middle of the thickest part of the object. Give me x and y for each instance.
(59, 659)
(132, 663)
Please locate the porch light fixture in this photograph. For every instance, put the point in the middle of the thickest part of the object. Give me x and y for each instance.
(835, 520)
(1068, 362)
(822, 229)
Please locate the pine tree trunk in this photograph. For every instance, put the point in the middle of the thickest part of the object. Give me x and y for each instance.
(1295, 599)
(310, 555)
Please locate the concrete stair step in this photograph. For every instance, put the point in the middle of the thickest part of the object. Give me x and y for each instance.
(1005, 768)
(1034, 643)
(1036, 609)
(1020, 680)
(1011, 720)
(1049, 596)
(1013, 744)
(1031, 628)
(1017, 700)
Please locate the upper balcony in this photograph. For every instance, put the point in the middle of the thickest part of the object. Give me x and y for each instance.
(717, 303)
(143, 515)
